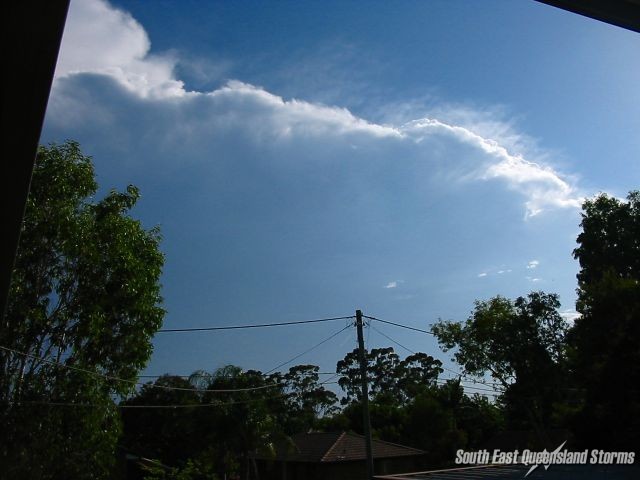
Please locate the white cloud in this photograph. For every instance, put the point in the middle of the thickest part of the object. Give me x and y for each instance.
(293, 117)
(541, 184)
(391, 285)
(533, 279)
(533, 264)
(483, 274)
(104, 40)
(570, 315)
(99, 38)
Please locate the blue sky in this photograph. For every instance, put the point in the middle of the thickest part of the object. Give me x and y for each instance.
(305, 159)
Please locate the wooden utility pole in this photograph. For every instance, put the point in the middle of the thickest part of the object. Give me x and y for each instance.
(365, 396)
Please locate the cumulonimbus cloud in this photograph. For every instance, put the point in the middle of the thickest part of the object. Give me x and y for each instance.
(543, 186)
(104, 40)
(295, 117)
(99, 38)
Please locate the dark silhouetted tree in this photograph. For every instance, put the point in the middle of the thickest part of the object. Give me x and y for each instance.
(388, 376)
(605, 339)
(521, 344)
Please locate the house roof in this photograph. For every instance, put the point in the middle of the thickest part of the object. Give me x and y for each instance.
(521, 439)
(339, 447)
(519, 471)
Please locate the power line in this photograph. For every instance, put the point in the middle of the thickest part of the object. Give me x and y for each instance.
(170, 388)
(133, 382)
(441, 366)
(400, 325)
(309, 350)
(458, 374)
(206, 375)
(197, 405)
(170, 406)
(463, 376)
(470, 387)
(257, 325)
(218, 404)
(195, 390)
(368, 333)
(408, 349)
(484, 382)
(392, 340)
(473, 380)
(437, 380)
(166, 387)
(417, 330)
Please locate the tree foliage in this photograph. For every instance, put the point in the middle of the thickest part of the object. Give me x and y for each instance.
(605, 348)
(219, 433)
(306, 398)
(610, 240)
(85, 297)
(387, 375)
(521, 344)
(222, 430)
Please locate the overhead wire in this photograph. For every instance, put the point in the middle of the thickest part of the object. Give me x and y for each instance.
(408, 349)
(257, 325)
(392, 340)
(444, 381)
(217, 404)
(399, 325)
(233, 327)
(368, 325)
(170, 388)
(310, 349)
(422, 331)
(460, 375)
(132, 382)
(169, 406)
(207, 374)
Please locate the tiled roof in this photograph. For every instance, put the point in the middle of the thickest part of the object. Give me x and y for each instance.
(340, 447)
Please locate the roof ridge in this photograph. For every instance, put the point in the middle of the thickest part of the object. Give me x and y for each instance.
(374, 440)
(326, 454)
(406, 447)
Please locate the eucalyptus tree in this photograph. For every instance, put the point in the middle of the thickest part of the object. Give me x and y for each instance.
(83, 305)
(391, 379)
(521, 343)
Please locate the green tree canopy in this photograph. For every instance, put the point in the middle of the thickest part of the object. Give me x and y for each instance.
(83, 305)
